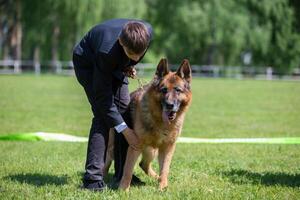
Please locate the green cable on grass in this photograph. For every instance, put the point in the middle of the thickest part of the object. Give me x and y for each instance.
(42, 136)
(21, 137)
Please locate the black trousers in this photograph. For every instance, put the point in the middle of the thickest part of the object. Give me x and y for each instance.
(99, 132)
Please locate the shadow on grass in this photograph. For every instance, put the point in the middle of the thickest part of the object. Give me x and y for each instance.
(265, 178)
(38, 179)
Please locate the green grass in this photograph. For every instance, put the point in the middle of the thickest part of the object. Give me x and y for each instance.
(220, 108)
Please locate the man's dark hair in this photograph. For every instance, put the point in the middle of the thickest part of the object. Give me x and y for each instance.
(135, 37)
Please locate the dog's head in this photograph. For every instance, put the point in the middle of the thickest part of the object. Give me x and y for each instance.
(172, 89)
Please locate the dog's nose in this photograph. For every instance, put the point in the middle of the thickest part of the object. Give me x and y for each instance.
(169, 106)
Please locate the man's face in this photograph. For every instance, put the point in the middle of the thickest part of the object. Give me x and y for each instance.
(130, 54)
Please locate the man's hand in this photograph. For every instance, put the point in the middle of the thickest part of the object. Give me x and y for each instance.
(130, 72)
(132, 139)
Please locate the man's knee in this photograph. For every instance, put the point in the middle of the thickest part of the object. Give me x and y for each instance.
(99, 126)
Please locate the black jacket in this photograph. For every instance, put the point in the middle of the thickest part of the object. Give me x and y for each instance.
(101, 48)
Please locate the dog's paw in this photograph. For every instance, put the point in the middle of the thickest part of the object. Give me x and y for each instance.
(153, 174)
(163, 184)
(162, 187)
(124, 188)
(124, 185)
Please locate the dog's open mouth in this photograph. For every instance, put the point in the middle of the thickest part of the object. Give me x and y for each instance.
(168, 116)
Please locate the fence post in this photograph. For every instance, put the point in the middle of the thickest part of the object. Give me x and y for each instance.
(141, 69)
(58, 67)
(216, 71)
(37, 67)
(17, 68)
(269, 73)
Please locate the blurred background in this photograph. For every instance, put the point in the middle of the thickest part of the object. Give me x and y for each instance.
(242, 40)
(248, 38)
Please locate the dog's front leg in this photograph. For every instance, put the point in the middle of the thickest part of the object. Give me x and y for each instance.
(131, 158)
(165, 157)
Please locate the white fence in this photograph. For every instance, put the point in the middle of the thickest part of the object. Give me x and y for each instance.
(66, 68)
(19, 66)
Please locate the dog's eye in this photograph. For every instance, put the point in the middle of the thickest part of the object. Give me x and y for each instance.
(164, 90)
(177, 89)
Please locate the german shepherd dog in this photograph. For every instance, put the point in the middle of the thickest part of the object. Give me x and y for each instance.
(158, 114)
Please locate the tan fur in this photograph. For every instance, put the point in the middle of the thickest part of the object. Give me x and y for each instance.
(156, 136)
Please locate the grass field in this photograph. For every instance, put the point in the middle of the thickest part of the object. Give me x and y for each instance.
(221, 108)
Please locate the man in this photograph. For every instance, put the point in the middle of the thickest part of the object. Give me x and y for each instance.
(102, 61)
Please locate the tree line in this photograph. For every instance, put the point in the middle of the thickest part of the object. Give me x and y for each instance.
(208, 32)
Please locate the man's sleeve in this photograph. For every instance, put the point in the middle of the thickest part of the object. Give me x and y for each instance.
(104, 97)
(121, 127)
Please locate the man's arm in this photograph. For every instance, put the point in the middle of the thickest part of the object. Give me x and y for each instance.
(104, 99)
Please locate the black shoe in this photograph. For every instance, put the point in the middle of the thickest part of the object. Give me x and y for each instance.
(94, 185)
(114, 184)
(135, 181)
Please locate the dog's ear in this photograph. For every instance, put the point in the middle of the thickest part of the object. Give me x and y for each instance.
(185, 71)
(162, 68)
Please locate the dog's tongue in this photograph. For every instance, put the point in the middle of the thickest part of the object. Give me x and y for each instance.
(168, 116)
